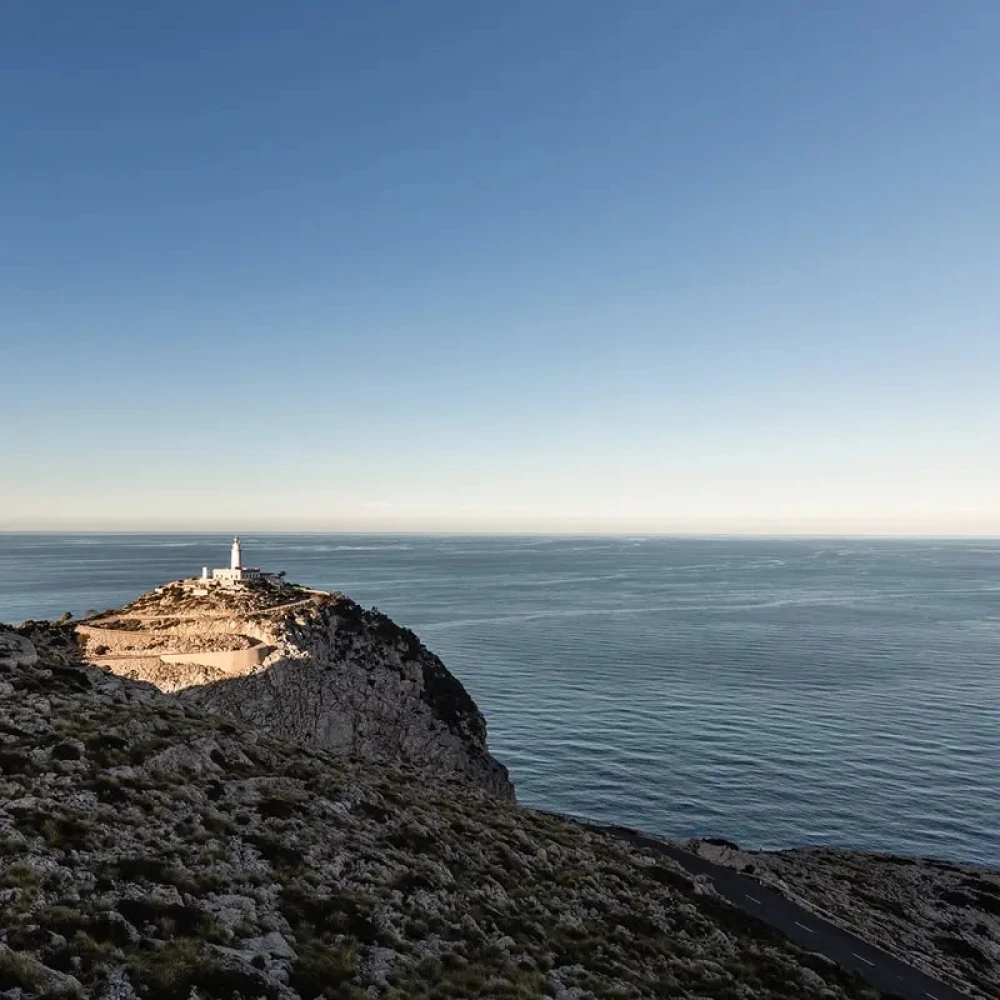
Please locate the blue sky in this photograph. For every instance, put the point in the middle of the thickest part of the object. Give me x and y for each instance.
(547, 265)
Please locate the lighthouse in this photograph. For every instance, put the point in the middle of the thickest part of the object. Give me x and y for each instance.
(237, 572)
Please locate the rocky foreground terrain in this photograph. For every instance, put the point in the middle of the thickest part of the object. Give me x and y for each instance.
(151, 849)
(941, 917)
(312, 666)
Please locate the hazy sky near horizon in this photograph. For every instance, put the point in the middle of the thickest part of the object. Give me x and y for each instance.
(548, 265)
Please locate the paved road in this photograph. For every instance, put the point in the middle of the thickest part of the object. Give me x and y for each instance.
(883, 971)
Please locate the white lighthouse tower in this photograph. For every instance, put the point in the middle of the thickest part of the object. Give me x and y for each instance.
(237, 572)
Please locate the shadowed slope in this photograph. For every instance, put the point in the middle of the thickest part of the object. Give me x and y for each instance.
(149, 847)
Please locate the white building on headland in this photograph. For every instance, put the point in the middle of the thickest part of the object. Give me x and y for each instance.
(237, 572)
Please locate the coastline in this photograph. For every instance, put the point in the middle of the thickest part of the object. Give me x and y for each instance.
(785, 890)
(892, 919)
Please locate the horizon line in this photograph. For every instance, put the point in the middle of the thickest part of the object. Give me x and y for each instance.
(515, 533)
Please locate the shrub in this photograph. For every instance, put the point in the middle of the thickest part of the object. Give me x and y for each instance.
(172, 919)
(182, 967)
(323, 915)
(278, 808)
(324, 969)
(17, 971)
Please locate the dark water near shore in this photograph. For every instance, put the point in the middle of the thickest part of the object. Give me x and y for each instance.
(776, 692)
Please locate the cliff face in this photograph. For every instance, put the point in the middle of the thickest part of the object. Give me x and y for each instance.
(311, 666)
(353, 682)
(151, 850)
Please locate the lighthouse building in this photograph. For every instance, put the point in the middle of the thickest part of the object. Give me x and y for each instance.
(237, 572)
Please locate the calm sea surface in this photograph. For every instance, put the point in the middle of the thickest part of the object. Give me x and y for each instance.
(774, 692)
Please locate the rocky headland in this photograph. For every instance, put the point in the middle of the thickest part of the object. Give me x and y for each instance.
(311, 666)
(263, 791)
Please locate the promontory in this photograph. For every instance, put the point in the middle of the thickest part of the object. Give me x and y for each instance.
(262, 790)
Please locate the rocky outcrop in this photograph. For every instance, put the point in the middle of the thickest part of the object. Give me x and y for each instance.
(16, 651)
(312, 666)
(151, 850)
(353, 682)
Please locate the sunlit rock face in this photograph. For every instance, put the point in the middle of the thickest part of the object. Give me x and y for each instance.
(312, 666)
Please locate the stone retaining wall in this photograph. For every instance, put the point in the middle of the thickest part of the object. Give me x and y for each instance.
(236, 661)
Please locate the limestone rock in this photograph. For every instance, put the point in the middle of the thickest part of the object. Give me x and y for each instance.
(312, 666)
(16, 651)
(37, 976)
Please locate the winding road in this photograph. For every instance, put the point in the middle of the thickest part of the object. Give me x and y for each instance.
(885, 972)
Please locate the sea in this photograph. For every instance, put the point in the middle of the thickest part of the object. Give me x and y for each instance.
(774, 692)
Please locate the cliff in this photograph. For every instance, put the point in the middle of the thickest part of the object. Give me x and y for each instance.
(311, 666)
(149, 849)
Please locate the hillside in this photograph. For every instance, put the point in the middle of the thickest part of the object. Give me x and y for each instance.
(150, 850)
(939, 916)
